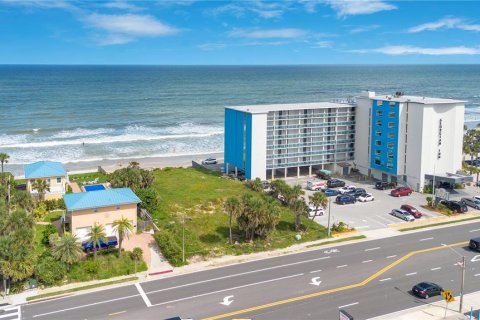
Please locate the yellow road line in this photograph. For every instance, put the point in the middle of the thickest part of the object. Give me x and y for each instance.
(324, 292)
(115, 313)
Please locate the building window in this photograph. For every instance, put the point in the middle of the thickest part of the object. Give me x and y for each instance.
(391, 114)
(391, 135)
(379, 113)
(59, 180)
(391, 103)
(390, 145)
(390, 154)
(390, 165)
(378, 133)
(378, 152)
(378, 142)
(391, 125)
(379, 123)
(379, 103)
(378, 162)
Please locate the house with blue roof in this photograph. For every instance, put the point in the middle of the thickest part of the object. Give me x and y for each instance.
(102, 207)
(52, 172)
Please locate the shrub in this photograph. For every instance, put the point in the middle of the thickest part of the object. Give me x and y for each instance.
(50, 271)
(150, 199)
(429, 201)
(91, 266)
(40, 211)
(49, 230)
(340, 227)
(69, 189)
(428, 189)
(169, 248)
(459, 186)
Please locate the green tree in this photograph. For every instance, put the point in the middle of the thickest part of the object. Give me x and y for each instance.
(137, 255)
(319, 200)
(96, 236)
(67, 249)
(233, 208)
(124, 229)
(133, 164)
(3, 159)
(132, 177)
(42, 187)
(40, 211)
(22, 200)
(150, 199)
(299, 209)
(50, 271)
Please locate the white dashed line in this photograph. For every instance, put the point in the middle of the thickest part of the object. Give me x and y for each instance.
(426, 239)
(348, 305)
(386, 279)
(315, 271)
(362, 227)
(366, 261)
(437, 268)
(474, 230)
(411, 274)
(342, 266)
(376, 248)
(389, 257)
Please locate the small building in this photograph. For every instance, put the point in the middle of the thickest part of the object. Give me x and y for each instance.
(52, 172)
(102, 207)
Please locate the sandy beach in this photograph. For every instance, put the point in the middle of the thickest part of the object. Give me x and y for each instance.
(111, 165)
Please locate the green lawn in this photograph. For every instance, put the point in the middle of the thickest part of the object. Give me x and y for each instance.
(200, 194)
(53, 215)
(82, 178)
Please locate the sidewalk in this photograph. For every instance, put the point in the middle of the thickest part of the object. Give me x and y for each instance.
(436, 310)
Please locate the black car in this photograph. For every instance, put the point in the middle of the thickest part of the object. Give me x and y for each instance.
(456, 206)
(474, 244)
(383, 185)
(357, 192)
(335, 183)
(426, 289)
(345, 199)
(323, 175)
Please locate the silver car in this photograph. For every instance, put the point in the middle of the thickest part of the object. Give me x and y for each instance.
(402, 214)
(471, 202)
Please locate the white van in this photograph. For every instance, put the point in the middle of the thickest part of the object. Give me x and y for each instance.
(316, 185)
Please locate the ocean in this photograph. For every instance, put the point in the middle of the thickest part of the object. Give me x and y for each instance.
(87, 113)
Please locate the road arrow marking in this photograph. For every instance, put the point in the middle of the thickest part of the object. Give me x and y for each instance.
(226, 301)
(316, 281)
(476, 258)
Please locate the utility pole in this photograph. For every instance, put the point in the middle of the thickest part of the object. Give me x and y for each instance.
(463, 283)
(183, 237)
(328, 225)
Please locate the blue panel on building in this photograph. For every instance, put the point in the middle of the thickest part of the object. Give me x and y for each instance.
(234, 138)
(384, 136)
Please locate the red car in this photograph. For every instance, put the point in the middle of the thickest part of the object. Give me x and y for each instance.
(412, 210)
(401, 191)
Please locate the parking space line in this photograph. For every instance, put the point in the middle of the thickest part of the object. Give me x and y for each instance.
(476, 275)
(437, 268)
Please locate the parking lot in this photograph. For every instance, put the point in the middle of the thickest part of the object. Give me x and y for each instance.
(375, 214)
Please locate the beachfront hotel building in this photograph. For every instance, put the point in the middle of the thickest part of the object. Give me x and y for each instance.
(280, 140)
(404, 139)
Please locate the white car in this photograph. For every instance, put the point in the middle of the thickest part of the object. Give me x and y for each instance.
(313, 212)
(346, 189)
(366, 197)
(402, 214)
(209, 161)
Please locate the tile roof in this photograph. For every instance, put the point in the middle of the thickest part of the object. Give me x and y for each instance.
(101, 198)
(44, 169)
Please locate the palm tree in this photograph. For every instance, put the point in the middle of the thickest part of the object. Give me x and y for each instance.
(233, 208)
(3, 159)
(67, 249)
(318, 200)
(136, 254)
(133, 164)
(124, 229)
(96, 237)
(42, 187)
(299, 209)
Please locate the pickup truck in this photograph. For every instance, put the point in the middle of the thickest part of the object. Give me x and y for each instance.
(110, 242)
(382, 185)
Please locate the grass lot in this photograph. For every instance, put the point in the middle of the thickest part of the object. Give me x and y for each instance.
(82, 178)
(53, 215)
(200, 194)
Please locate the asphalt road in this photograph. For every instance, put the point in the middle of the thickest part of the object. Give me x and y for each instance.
(367, 279)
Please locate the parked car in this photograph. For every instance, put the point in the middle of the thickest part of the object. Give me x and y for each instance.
(335, 183)
(412, 210)
(316, 185)
(401, 191)
(323, 175)
(456, 206)
(365, 197)
(313, 212)
(110, 242)
(346, 189)
(426, 290)
(383, 185)
(471, 202)
(402, 214)
(474, 244)
(330, 192)
(345, 199)
(357, 192)
(209, 161)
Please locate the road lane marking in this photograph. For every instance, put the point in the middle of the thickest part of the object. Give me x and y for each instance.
(342, 266)
(411, 274)
(334, 290)
(115, 313)
(143, 295)
(362, 227)
(366, 261)
(476, 275)
(228, 289)
(389, 257)
(314, 271)
(426, 239)
(237, 274)
(376, 248)
(474, 230)
(437, 268)
(386, 279)
(348, 305)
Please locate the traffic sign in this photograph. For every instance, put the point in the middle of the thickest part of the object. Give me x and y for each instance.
(448, 296)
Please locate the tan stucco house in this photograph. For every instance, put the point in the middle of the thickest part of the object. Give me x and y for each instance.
(52, 172)
(102, 207)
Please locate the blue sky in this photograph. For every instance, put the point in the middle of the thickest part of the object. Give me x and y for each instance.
(239, 32)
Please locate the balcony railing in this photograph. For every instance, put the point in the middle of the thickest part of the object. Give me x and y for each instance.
(308, 144)
(270, 136)
(306, 163)
(311, 125)
(308, 153)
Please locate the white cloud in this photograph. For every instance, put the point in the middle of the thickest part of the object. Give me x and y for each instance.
(356, 7)
(263, 9)
(404, 50)
(364, 28)
(60, 4)
(212, 46)
(286, 33)
(122, 5)
(322, 44)
(445, 23)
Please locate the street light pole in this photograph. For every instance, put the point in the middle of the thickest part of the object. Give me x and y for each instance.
(328, 225)
(183, 238)
(463, 283)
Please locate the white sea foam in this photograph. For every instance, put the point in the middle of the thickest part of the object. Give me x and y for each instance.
(81, 132)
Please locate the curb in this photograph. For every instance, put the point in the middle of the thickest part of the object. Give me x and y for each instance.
(160, 272)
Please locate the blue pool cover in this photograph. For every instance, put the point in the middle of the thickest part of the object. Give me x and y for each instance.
(94, 187)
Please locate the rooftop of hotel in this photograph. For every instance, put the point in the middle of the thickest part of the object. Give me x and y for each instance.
(400, 97)
(265, 108)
